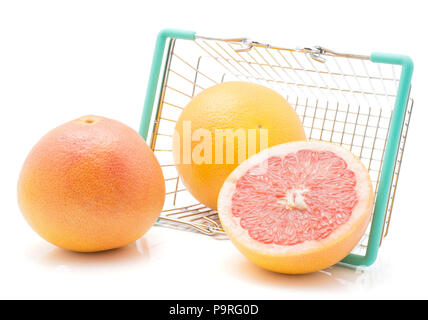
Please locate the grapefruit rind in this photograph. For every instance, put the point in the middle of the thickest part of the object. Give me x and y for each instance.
(310, 255)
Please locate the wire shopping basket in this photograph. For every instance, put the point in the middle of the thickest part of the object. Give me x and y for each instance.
(360, 102)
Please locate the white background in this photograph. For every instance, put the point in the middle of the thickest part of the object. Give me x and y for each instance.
(63, 59)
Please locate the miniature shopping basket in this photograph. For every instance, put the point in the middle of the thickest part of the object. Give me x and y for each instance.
(360, 102)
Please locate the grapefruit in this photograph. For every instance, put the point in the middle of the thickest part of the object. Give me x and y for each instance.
(91, 184)
(232, 108)
(298, 207)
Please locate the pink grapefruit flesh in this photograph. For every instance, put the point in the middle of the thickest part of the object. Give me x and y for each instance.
(297, 207)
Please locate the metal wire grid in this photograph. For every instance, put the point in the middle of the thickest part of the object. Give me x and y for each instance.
(345, 99)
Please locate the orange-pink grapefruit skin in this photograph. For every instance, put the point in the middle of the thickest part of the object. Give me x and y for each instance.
(91, 184)
(277, 235)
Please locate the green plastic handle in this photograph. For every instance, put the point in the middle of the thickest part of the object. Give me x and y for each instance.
(155, 72)
(390, 156)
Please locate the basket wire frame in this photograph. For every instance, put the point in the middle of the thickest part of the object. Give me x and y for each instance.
(345, 99)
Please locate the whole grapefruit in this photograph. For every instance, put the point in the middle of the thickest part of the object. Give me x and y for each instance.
(91, 184)
(241, 109)
(298, 207)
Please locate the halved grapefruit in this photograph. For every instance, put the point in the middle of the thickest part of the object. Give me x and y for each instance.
(298, 207)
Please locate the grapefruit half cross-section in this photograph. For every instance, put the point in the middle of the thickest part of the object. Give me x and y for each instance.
(298, 207)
